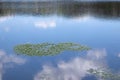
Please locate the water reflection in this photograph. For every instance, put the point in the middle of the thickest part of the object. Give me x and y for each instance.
(60, 22)
(45, 25)
(7, 60)
(74, 9)
(3, 19)
(75, 69)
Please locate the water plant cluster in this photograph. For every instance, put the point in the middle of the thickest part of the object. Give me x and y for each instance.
(104, 75)
(45, 49)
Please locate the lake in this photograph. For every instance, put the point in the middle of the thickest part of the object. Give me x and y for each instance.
(60, 26)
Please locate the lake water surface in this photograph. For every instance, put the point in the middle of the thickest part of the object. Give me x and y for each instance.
(94, 24)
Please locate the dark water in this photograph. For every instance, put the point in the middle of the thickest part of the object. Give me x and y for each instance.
(95, 24)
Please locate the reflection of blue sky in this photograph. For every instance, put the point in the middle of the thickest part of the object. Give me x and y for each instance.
(74, 69)
(84, 30)
(7, 60)
(5, 18)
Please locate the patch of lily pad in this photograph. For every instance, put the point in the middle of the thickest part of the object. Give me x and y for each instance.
(104, 75)
(45, 49)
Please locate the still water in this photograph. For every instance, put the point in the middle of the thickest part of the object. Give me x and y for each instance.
(94, 24)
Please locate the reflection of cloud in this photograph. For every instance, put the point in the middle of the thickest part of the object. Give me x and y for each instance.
(3, 19)
(119, 55)
(45, 24)
(98, 54)
(75, 69)
(81, 19)
(6, 29)
(5, 59)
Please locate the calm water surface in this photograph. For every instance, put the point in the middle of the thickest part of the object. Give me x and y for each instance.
(95, 24)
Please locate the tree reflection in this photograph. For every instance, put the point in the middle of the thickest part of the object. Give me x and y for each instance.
(66, 9)
(45, 49)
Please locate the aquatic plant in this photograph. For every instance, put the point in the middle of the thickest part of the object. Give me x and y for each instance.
(104, 75)
(45, 49)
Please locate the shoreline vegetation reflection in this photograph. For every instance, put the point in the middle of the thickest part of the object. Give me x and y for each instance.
(45, 49)
(106, 10)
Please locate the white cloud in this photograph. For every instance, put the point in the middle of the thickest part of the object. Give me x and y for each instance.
(82, 19)
(119, 55)
(45, 24)
(74, 69)
(7, 59)
(3, 19)
(98, 54)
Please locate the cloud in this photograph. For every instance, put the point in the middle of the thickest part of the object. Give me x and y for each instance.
(74, 69)
(82, 19)
(5, 60)
(45, 24)
(3, 19)
(98, 54)
(119, 55)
